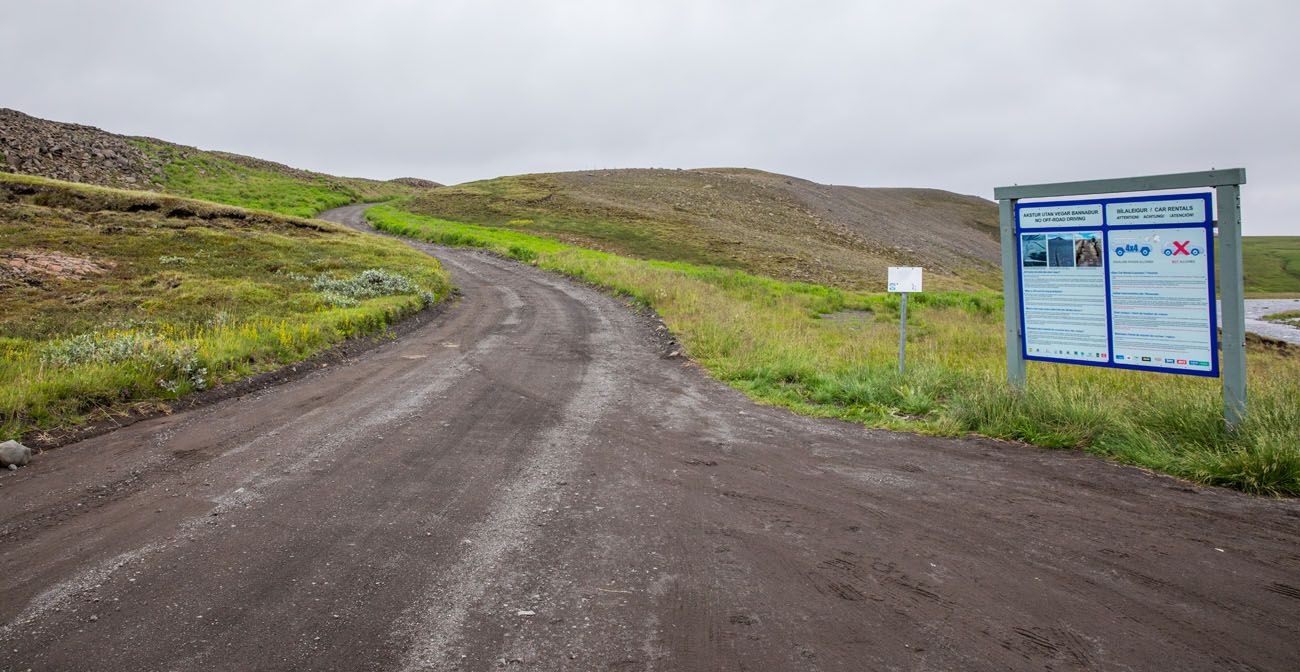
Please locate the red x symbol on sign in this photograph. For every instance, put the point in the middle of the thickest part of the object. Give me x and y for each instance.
(1181, 248)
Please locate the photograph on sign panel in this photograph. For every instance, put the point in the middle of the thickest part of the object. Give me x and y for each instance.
(1060, 250)
(1033, 249)
(1087, 250)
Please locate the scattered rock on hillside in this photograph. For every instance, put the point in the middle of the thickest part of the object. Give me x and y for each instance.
(73, 152)
(417, 182)
(76, 153)
(14, 454)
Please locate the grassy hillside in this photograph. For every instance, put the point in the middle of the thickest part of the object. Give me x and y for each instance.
(1272, 265)
(769, 339)
(85, 154)
(744, 219)
(252, 183)
(775, 225)
(112, 298)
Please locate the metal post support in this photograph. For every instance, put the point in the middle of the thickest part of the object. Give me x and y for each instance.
(902, 332)
(1232, 292)
(1011, 293)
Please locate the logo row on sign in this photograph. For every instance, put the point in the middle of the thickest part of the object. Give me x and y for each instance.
(1157, 360)
(1173, 249)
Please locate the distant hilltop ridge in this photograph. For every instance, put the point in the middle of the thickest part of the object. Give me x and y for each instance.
(78, 153)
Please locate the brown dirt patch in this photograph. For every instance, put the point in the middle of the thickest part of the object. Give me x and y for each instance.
(22, 263)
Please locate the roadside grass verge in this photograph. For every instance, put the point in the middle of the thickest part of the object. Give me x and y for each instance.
(113, 298)
(261, 185)
(1291, 317)
(769, 339)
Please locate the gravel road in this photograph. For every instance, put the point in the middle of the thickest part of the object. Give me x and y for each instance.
(527, 482)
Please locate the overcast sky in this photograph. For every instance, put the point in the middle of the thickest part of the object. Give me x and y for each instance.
(963, 96)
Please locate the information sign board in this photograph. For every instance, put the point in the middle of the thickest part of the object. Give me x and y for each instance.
(904, 279)
(1119, 282)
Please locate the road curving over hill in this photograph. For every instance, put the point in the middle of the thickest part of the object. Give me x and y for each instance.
(528, 482)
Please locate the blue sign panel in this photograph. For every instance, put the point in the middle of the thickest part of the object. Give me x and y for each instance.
(1119, 282)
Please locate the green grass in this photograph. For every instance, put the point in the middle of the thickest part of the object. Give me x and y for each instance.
(1291, 317)
(249, 183)
(550, 213)
(194, 295)
(765, 337)
(1272, 266)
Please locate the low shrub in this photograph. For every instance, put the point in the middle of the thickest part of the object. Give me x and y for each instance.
(367, 284)
(177, 366)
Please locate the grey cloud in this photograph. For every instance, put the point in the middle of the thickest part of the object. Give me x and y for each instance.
(960, 96)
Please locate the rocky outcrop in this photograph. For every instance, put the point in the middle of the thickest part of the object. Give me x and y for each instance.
(74, 153)
(54, 264)
(417, 182)
(85, 154)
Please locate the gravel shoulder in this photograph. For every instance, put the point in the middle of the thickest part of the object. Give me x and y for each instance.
(527, 482)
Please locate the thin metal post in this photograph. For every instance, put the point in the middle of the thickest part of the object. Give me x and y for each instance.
(902, 333)
(1232, 291)
(1011, 293)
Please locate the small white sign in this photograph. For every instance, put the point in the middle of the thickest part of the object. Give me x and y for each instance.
(904, 278)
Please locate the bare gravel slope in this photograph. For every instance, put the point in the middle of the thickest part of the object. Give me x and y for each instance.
(527, 483)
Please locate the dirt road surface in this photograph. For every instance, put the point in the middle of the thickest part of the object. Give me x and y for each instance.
(528, 483)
